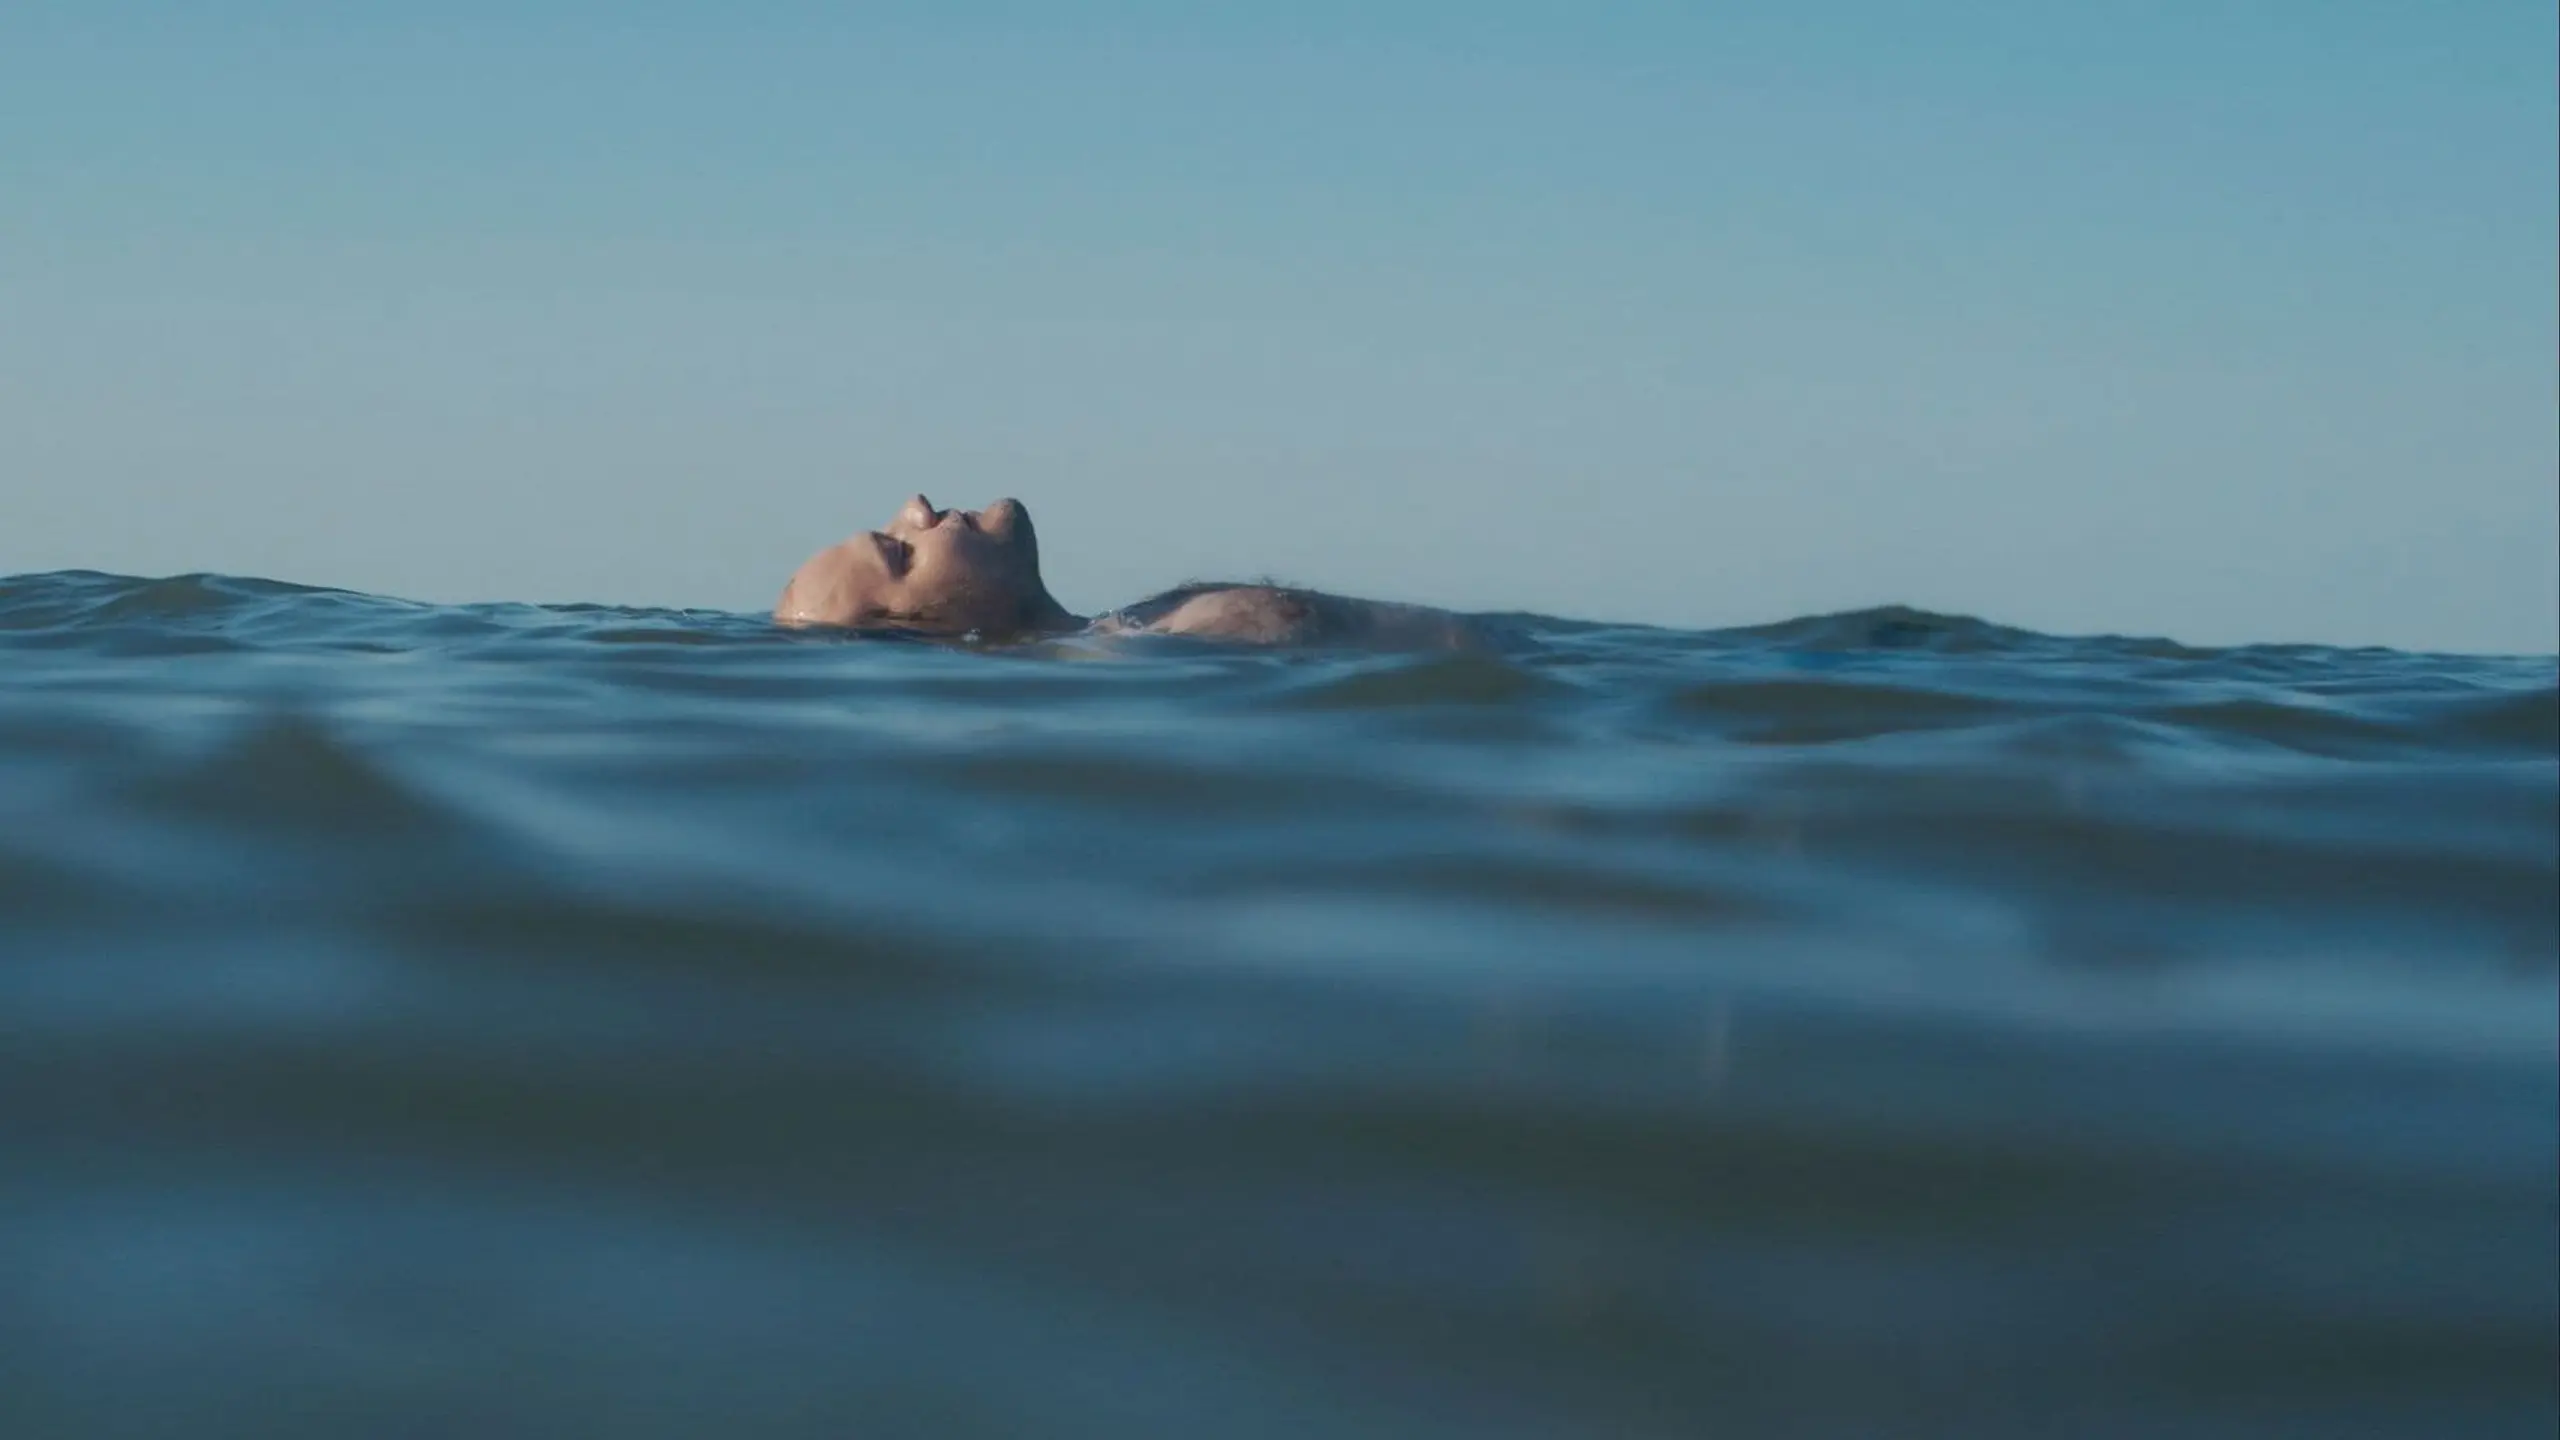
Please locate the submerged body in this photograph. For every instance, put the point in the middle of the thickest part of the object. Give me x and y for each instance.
(978, 571)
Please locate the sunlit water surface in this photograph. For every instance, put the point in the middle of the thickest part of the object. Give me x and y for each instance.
(501, 1020)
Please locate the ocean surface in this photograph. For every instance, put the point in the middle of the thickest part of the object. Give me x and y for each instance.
(505, 1020)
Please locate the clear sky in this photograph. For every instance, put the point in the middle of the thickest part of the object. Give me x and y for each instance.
(2228, 321)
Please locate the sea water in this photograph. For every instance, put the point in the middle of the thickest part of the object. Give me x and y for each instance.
(508, 1020)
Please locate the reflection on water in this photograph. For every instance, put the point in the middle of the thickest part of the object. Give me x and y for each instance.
(514, 1020)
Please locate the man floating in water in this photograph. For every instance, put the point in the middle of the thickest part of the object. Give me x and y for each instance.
(954, 572)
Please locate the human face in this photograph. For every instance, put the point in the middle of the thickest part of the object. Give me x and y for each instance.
(928, 569)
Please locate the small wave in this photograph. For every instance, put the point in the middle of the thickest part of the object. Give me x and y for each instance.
(2528, 722)
(293, 774)
(1805, 710)
(182, 598)
(1888, 627)
(2316, 729)
(1465, 678)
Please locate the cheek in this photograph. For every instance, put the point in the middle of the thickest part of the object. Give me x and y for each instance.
(955, 566)
(861, 584)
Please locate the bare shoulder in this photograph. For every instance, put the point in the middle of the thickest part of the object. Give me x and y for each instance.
(1282, 615)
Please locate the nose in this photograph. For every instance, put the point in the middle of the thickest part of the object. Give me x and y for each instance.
(920, 513)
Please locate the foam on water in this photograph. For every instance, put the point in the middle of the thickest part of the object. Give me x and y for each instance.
(538, 1020)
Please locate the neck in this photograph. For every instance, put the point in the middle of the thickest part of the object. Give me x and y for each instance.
(1044, 615)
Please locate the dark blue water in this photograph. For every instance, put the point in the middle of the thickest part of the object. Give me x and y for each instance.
(501, 1020)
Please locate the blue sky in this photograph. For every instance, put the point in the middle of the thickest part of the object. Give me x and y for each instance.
(2225, 321)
